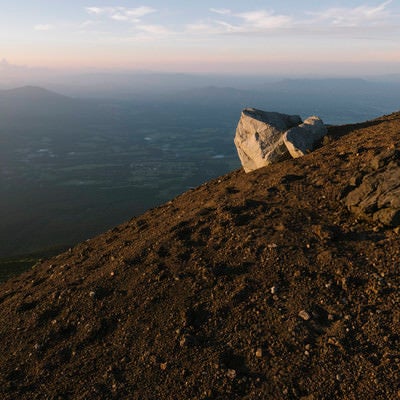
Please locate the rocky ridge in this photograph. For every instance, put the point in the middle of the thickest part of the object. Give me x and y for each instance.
(268, 285)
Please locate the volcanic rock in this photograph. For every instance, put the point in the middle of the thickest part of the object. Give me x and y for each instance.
(377, 197)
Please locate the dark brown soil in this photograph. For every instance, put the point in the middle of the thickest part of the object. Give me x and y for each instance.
(257, 286)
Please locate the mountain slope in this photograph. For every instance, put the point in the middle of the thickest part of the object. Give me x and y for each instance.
(30, 105)
(250, 286)
(31, 93)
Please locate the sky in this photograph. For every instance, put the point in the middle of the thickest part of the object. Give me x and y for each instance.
(252, 37)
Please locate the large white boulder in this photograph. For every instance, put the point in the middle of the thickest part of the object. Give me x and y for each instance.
(302, 139)
(259, 137)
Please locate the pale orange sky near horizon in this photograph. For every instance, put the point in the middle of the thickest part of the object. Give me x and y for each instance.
(336, 37)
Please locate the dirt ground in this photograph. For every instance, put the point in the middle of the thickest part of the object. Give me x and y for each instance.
(252, 286)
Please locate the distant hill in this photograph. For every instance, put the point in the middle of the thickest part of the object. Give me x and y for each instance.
(251, 286)
(28, 101)
(31, 93)
(33, 107)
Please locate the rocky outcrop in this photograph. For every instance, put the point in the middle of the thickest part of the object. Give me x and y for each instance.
(303, 138)
(259, 137)
(377, 196)
(263, 138)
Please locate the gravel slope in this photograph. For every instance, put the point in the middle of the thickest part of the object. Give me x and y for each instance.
(252, 286)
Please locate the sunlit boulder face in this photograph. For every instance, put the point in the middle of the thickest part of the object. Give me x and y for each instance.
(263, 138)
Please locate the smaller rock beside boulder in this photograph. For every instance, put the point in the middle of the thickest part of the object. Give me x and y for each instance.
(302, 139)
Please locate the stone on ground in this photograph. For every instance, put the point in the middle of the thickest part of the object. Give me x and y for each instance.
(377, 197)
(259, 137)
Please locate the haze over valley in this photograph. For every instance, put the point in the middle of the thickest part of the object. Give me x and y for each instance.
(73, 165)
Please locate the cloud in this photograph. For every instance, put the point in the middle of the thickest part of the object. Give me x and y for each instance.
(353, 17)
(222, 11)
(121, 13)
(199, 27)
(260, 20)
(329, 21)
(4, 64)
(154, 29)
(88, 22)
(355, 22)
(43, 27)
(95, 10)
(250, 22)
(138, 31)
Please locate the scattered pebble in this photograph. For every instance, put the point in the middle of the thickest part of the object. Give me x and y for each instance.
(187, 340)
(231, 373)
(304, 315)
(259, 352)
(163, 366)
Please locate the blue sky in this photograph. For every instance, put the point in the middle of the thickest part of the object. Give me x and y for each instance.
(203, 36)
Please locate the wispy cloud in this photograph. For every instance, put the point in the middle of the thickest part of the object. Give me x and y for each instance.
(138, 31)
(154, 29)
(258, 21)
(121, 13)
(222, 11)
(327, 21)
(96, 10)
(43, 27)
(353, 17)
(88, 23)
(364, 21)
